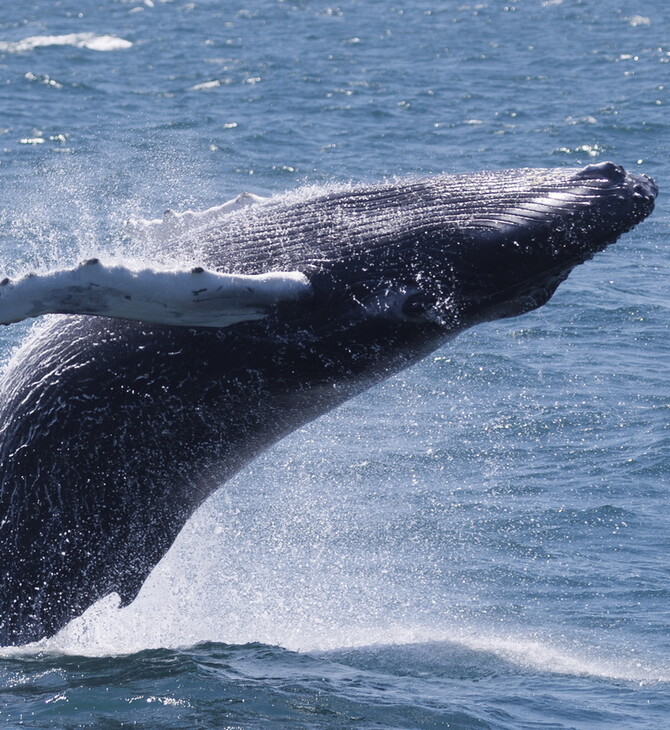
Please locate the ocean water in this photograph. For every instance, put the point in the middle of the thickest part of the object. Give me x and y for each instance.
(481, 541)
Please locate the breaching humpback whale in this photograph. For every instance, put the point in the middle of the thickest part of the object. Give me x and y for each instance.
(120, 417)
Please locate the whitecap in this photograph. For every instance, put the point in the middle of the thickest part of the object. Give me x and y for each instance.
(206, 85)
(42, 79)
(637, 20)
(92, 41)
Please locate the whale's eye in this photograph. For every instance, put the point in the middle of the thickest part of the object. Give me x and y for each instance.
(415, 306)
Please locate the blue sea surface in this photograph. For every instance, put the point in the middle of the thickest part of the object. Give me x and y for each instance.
(483, 540)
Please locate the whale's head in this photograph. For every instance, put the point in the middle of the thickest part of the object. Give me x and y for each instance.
(452, 251)
(512, 259)
(435, 255)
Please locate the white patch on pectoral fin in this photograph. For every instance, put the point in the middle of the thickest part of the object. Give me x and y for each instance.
(174, 224)
(187, 298)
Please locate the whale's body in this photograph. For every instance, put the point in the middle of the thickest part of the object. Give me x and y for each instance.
(113, 431)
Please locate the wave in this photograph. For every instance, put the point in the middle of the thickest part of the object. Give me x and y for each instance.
(485, 652)
(92, 41)
(445, 655)
(217, 685)
(454, 651)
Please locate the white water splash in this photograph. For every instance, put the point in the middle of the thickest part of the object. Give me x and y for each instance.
(106, 630)
(222, 582)
(92, 41)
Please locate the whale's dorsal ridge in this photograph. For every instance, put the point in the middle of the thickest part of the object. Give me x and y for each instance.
(175, 223)
(187, 297)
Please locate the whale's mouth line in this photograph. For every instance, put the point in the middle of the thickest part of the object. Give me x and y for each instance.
(408, 302)
(530, 293)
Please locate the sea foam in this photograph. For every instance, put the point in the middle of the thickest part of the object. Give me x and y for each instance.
(92, 41)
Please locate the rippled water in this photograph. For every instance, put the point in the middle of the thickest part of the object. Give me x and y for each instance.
(481, 542)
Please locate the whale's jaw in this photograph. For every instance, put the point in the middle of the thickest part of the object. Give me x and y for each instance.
(520, 266)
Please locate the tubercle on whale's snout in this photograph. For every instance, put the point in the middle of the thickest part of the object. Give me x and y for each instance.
(617, 174)
(636, 189)
(645, 192)
(643, 198)
(602, 170)
(645, 186)
(629, 208)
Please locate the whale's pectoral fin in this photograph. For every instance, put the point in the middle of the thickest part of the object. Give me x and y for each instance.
(188, 298)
